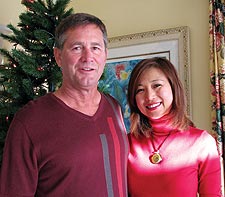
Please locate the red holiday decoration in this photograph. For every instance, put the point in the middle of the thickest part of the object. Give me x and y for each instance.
(29, 1)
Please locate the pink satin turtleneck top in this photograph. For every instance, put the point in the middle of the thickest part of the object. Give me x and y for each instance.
(190, 164)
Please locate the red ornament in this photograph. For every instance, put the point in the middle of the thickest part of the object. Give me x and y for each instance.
(29, 1)
(40, 69)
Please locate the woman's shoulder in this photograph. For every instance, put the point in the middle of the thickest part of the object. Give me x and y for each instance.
(203, 136)
(198, 131)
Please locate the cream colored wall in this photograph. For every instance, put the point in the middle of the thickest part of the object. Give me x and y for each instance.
(9, 11)
(132, 16)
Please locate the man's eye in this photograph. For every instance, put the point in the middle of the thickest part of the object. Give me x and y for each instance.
(96, 48)
(76, 48)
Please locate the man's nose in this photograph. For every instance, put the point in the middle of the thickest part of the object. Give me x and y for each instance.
(87, 54)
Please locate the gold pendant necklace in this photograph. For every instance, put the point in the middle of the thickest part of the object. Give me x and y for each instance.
(156, 157)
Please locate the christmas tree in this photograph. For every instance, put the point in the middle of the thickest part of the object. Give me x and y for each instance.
(30, 69)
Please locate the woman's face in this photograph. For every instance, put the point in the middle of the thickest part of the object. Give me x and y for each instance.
(154, 95)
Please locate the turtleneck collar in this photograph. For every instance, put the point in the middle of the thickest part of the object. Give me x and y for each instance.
(162, 126)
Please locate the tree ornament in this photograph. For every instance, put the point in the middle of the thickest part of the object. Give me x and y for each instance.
(40, 68)
(27, 1)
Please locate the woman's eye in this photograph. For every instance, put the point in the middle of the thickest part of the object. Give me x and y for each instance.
(139, 90)
(157, 85)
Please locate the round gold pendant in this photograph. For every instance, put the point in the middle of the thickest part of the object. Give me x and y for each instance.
(155, 158)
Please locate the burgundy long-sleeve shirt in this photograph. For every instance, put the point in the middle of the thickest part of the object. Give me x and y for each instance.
(54, 151)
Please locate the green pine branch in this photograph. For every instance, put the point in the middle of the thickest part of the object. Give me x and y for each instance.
(30, 70)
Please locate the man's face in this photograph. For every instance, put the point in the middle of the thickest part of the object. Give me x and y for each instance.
(82, 57)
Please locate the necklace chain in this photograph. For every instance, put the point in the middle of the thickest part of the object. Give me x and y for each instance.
(153, 145)
(155, 157)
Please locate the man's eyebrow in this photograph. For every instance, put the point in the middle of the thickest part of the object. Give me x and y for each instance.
(83, 43)
(97, 43)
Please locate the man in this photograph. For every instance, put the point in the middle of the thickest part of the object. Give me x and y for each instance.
(71, 142)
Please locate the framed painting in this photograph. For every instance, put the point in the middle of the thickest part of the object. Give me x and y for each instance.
(126, 51)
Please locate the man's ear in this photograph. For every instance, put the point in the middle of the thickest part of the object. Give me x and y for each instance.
(57, 55)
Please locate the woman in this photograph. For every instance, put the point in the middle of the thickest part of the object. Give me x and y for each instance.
(169, 157)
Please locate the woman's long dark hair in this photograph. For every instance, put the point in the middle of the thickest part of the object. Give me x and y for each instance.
(139, 122)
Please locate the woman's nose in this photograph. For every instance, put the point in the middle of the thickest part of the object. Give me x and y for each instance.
(150, 95)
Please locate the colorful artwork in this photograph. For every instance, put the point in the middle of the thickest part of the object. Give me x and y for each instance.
(115, 82)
